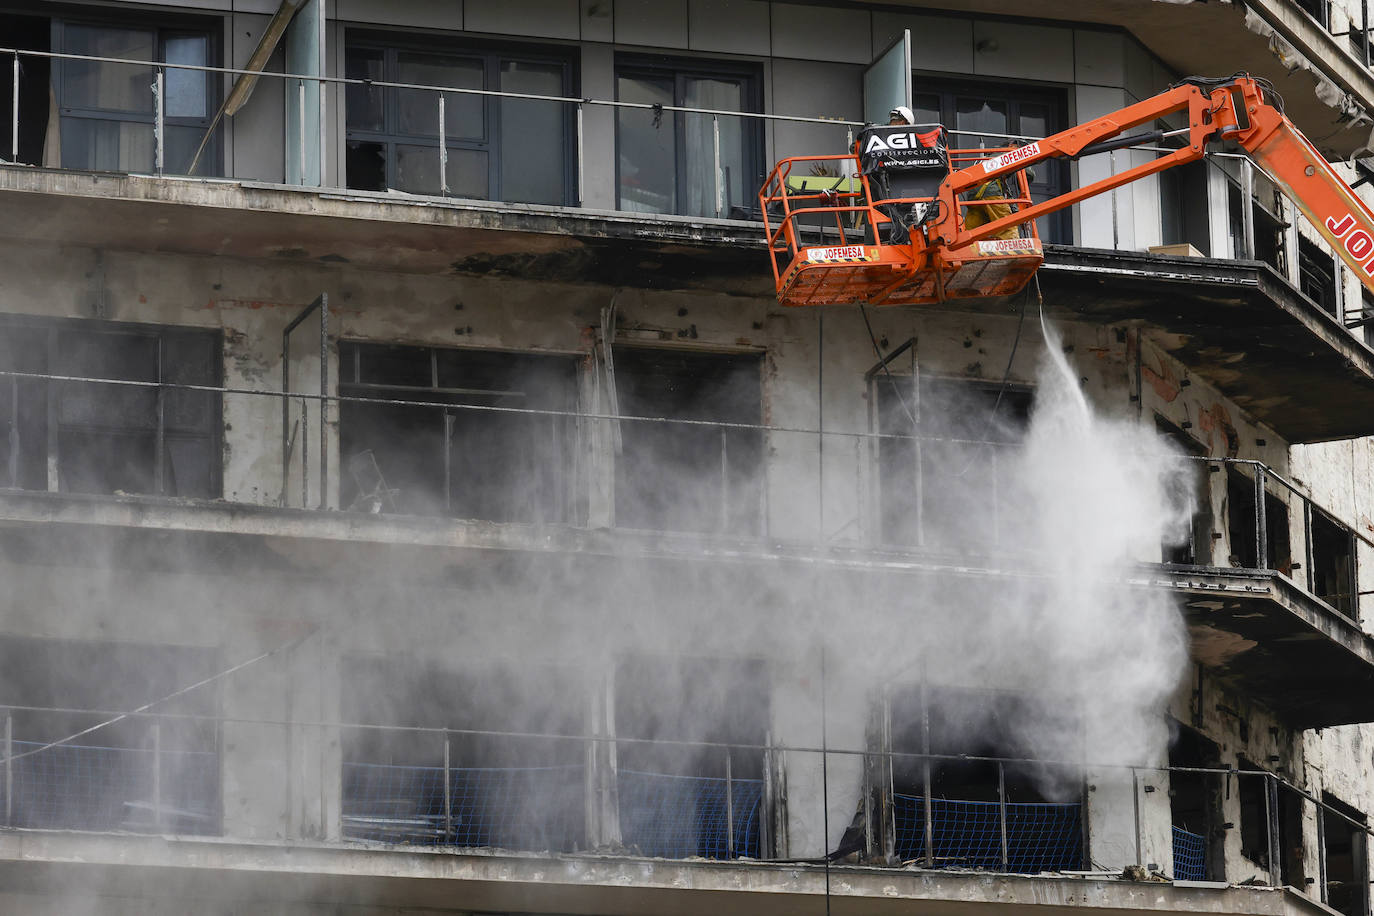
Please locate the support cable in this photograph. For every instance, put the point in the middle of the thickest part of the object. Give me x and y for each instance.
(181, 691)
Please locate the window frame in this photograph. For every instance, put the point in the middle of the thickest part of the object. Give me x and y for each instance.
(680, 69)
(492, 56)
(163, 29)
(51, 330)
(569, 500)
(1058, 226)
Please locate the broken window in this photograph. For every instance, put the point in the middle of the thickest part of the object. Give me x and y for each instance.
(110, 438)
(142, 773)
(1317, 274)
(467, 459)
(1333, 562)
(29, 33)
(1243, 525)
(942, 460)
(1266, 806)
(693, 476)
(467, 757)
(965, 730)
(1195, 801)
(109, 109)
(1347, 873)
(1195, 548)
(519, 150)
(1266, 211)
(692, 794)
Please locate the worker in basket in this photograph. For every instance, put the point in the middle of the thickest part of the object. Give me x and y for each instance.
(982, 214)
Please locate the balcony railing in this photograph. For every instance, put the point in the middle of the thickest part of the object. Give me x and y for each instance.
(59, 784)
(728, 197)
(733, 495)
(846, 496)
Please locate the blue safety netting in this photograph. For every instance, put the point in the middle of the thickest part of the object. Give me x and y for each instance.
(1190, 856)
(677, 817)
(83, 787)
(526, 808)
(968, 834)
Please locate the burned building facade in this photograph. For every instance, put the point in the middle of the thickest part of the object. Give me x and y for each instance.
(414, 497)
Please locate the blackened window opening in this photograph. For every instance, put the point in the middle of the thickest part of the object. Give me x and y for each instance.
(1317, 275)
(689, 476)
(956, 726)
(1192, 547)
(1347, 884)
(1195, 799)
(470, 463)
(944, 461)
(512, 781)
(30, 33)
(1242, 520)
(108, 438)
(508, 149)
(1333, 563)
(1262, 803)
(1268, 225)
(143, 773)
(676, 783)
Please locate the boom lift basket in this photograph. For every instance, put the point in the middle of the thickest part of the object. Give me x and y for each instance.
(848, 229)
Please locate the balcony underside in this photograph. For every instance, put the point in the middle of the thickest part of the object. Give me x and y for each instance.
(1253, 628)
(218, 874)
(1237, 325)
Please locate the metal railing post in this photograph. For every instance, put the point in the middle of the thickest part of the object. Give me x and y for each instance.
(1321, 852)
(324, 399)
(729, 808)
(9, 769)
(1116, 231)
(443, 150)
(300, 130)
(159, 124)
(157, 775)
(14, 113)
(929, 826)
(1002, 808)
(448, 794)
(1309, 572)
(581, 172)
(1135, 801)
(715, 144)
(1271, 824)
(724, 483)
(1261, 522)
(1247, 209)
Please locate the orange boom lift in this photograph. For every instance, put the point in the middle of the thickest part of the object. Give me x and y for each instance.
(919, 225)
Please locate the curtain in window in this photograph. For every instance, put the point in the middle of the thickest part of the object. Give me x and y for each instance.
(699, 147)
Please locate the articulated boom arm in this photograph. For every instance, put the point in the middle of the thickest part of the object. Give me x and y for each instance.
(1234, 109)
(930, 249)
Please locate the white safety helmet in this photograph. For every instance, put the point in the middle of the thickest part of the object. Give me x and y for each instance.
(901, 111)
